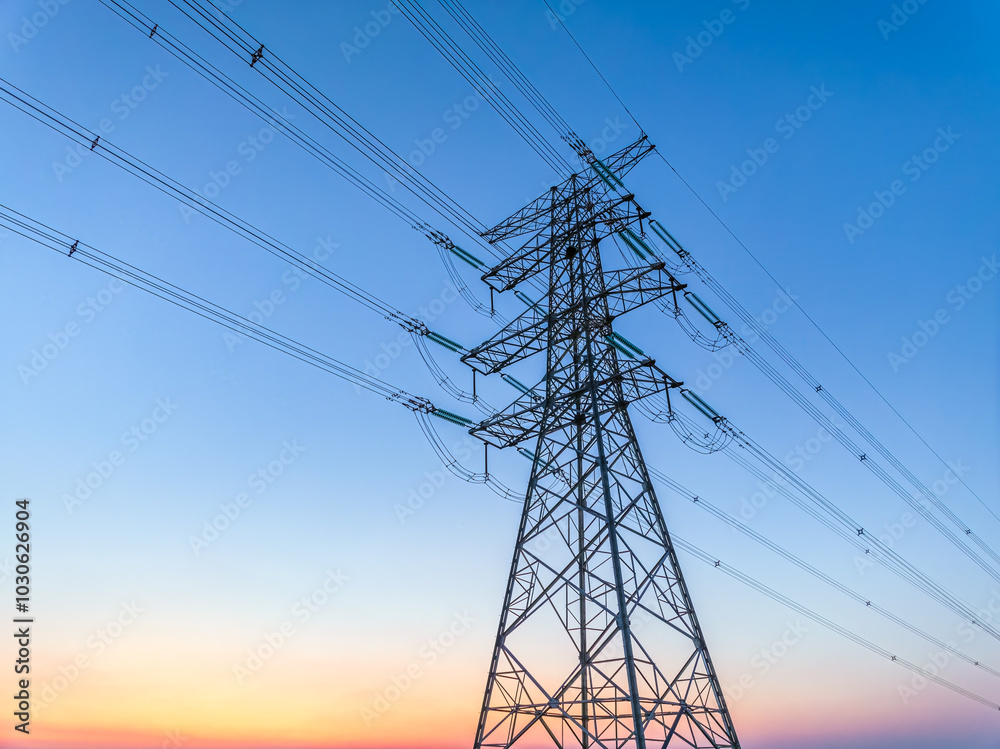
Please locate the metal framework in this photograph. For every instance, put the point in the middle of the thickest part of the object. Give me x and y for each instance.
(598, 643)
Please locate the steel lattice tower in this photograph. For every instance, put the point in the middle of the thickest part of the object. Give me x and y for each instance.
(598, 643)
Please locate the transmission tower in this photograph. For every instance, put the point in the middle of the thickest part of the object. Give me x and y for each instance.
(598, 643)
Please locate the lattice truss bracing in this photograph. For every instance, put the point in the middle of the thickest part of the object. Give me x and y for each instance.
(598, 643)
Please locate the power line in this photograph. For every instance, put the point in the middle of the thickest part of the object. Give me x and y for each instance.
(293, 85)
(502, 61)
(753, 257)
(108, 264)
(312, 147)
(384, 158)
(820, 508)
(820, 418)
(829, 624)
(65, 126)
(472, 73)
(593, 65)
(707, 506)
(285, 79)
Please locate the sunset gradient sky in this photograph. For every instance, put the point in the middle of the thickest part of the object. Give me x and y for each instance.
(148, 625)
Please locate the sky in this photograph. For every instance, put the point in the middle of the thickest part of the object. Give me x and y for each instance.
(347, 555)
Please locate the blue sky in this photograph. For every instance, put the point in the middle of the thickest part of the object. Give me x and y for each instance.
(928, 89)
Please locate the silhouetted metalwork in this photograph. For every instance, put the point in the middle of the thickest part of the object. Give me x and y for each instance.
(598, 643)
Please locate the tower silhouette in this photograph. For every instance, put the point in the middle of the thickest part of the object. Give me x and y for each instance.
(598, 643)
